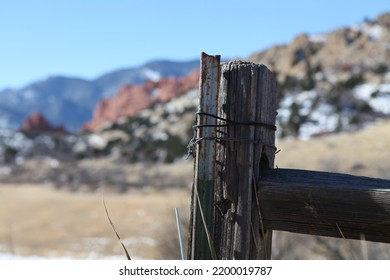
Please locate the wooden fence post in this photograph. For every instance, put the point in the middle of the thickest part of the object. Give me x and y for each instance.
(204, 171)
(243, 133)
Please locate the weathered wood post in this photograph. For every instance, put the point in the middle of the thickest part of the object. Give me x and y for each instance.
(242, 130)
(204, 171)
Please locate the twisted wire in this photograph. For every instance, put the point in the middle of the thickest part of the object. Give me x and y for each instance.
(194, 140)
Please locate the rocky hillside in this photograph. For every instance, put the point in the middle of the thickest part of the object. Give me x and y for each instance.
(333, 81)
(131, 99)
(37, 123)
(70, 101)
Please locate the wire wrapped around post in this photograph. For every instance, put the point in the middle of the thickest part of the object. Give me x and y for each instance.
(194, 140)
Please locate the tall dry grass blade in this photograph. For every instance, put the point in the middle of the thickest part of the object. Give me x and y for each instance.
(179, 233)
(363, 245)
(209, 240)
(342, 234)
(348, 243)
(116, 233)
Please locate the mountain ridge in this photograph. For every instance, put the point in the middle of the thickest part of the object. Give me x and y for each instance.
(71, 100)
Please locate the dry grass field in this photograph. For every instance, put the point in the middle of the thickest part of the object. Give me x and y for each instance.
(39, 220)
(364, 153)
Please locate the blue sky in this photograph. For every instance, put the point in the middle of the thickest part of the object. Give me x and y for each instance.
(87, 38)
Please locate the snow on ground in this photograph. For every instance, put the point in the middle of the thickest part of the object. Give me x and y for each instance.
(321, 116)
(151, 74)
(92, 256)
(318, 38)
(377, 96)
(321, 119)
(374, 31)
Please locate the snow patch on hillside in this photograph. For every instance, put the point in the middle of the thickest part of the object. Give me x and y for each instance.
(321, 117)
(377, 96)
(318, 38)
(151, 74)
(373, 31)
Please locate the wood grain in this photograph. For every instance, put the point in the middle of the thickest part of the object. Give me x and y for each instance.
(327, 204)
(247, 95)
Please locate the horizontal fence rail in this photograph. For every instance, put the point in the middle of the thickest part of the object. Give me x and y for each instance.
(326, 204)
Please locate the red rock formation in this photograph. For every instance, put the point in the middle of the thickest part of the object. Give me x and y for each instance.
(35, 122)
(131, 99)
(171, 87)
